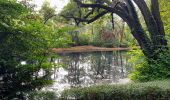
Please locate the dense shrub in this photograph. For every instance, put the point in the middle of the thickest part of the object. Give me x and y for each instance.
(84, 39)
(149, 69)
(104, 40)
(157, 90)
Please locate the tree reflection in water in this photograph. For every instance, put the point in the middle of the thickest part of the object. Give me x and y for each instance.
(85, 69)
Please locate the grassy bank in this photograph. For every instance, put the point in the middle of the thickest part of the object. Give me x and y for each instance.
(157, 90)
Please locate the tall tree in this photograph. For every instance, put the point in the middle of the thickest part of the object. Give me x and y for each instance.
(152, 44)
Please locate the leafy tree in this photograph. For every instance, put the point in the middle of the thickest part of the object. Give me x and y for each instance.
(25, 50)
(47, 11)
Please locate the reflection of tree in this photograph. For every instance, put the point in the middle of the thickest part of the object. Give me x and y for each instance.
(75, 71)
(101, 63)
(119, 63)
(102, 66)
(96, 67)
(107, 66)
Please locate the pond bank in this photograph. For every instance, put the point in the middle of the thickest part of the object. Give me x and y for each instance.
(89, 49)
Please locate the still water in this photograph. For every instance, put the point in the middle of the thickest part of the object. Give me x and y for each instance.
(92, 68)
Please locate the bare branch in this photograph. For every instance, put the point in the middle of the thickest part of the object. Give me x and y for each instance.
(97, 17)
(78, 20)
(88, 14)
(119, 10)
(48, 17)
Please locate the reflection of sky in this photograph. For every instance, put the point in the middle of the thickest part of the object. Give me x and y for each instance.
(60, 83)
(81, 71)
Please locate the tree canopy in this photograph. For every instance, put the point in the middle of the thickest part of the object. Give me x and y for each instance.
(91, 10)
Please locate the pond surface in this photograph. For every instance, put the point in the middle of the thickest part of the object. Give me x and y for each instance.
(90, 68)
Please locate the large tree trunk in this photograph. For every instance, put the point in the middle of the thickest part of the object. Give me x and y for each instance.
(152, 44)
(157, 43)
(138, 32)
(160, 27)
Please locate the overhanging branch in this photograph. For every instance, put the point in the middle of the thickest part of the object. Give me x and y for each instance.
(92, 5)
(88, 14)
(78, 20)
(97, 16)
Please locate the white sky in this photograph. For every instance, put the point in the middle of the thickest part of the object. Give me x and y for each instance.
(58, 4)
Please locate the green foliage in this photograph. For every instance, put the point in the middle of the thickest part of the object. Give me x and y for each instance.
(25, 39)
(70, 9)
(10, 9)
(73, 11)
(98, 41)
(136, 57)
(156, 90)
(149, 69)
(84, 39)
(165, 15)
(42, 95)
(47, 11)
(128, 40)
(103, 37)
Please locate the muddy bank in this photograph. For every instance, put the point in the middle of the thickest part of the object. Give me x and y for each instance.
(88, 49)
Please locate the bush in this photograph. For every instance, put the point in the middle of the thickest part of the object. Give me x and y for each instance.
(84, 39)
(157, 90)
(149, 69)
(101, 43)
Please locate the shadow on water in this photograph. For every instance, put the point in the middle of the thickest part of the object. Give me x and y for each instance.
(86, 69)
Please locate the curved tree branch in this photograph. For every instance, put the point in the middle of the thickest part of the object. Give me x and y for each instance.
(127, 11)
(78, 20)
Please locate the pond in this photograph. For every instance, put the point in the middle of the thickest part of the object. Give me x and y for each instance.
(90, 68)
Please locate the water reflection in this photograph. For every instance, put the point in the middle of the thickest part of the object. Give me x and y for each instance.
(85, 69)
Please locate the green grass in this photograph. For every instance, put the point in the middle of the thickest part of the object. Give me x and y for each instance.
(42, 95)
(156, 90)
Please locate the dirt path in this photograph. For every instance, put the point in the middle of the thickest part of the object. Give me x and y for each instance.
(87, 49)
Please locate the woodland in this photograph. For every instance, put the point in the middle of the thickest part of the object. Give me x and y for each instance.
(31, 40)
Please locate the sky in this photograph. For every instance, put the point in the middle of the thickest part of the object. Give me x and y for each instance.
(58, 4)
